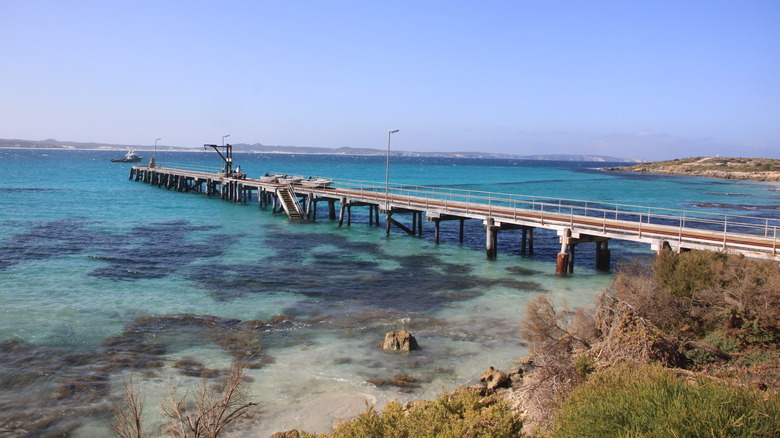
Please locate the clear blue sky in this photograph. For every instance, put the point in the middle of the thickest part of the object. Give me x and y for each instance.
(652, 79)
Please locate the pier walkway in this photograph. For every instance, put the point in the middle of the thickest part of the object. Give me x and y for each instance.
(575, 221)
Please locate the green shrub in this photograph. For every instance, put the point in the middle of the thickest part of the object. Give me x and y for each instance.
(465, 413)
(685, 274)
(697, 292)
(584, 365)
(650, 401)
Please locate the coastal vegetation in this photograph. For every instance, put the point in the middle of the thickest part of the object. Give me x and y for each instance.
(466, 412)
(686, 345)
(757, 169)
(651, 401)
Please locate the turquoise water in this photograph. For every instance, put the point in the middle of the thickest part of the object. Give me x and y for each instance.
(102, 277)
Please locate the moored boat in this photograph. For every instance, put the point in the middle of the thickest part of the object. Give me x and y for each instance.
(130, 157)
(317, 183)
(271, 178)
(290, 179)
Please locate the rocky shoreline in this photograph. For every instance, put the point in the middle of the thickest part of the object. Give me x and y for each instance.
(752, 169)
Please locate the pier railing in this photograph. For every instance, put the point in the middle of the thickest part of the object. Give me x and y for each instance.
(607, 219)
(190, 167)
(449, 198)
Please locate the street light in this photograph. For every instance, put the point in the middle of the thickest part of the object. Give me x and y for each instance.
(387, 171)
(154, 159)
(223, 139)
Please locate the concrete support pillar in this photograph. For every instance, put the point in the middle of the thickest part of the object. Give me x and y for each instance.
(387, 225)
(562, 263)
(491, 239)
(436, 226)
(331, 209)
(602, 256)
(527, 244)
(524, 234)
(341, 213)
(460, 236)
(572, 247)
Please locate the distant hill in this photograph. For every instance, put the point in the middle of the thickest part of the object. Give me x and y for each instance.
(755, 169)
(260, 148)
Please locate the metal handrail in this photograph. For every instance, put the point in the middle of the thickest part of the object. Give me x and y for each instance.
(511, 206)
(193, 167)
(649, 215)
(297, 202)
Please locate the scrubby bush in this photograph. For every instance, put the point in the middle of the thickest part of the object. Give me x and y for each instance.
(464, 413)
(552, 329)
(651, 401)
(556, 335)
(697, 292)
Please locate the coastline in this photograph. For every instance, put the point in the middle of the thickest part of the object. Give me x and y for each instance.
(748, 169)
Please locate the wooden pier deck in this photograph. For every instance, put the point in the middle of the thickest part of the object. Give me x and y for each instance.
(575, 221)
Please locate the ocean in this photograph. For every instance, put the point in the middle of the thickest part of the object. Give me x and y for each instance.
(103, 279)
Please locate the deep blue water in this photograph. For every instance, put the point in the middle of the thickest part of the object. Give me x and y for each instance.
(101, 276)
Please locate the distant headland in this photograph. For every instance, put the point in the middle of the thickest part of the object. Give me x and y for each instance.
(260, 148)
(754, 169)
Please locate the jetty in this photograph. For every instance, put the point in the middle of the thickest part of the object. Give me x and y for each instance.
(575, 221)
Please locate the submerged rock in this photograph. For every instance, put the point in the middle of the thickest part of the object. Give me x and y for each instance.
(401, 340)
(403, 382)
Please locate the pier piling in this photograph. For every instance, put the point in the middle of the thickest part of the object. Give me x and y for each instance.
(572, 228)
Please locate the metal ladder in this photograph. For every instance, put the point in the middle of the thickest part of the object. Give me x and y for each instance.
(290, 203)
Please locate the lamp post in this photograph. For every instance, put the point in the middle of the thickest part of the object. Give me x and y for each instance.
(154, 159)
(223, 139)
(387, 171)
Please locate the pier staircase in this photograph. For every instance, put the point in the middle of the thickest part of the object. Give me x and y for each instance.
(290, 203)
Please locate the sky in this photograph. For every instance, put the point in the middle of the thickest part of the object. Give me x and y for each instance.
(633, 79)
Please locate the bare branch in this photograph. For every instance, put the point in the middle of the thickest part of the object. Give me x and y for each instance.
(213, 408)
(127, 417)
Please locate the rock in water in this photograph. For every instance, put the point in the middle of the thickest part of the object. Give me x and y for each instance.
(400, 340)
(494, 378)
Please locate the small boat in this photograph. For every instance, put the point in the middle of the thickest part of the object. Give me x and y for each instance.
(271, 178)
(130, 157)
(317, 183)
(290, 179)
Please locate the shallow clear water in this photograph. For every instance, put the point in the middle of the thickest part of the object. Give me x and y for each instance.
(101, 277)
